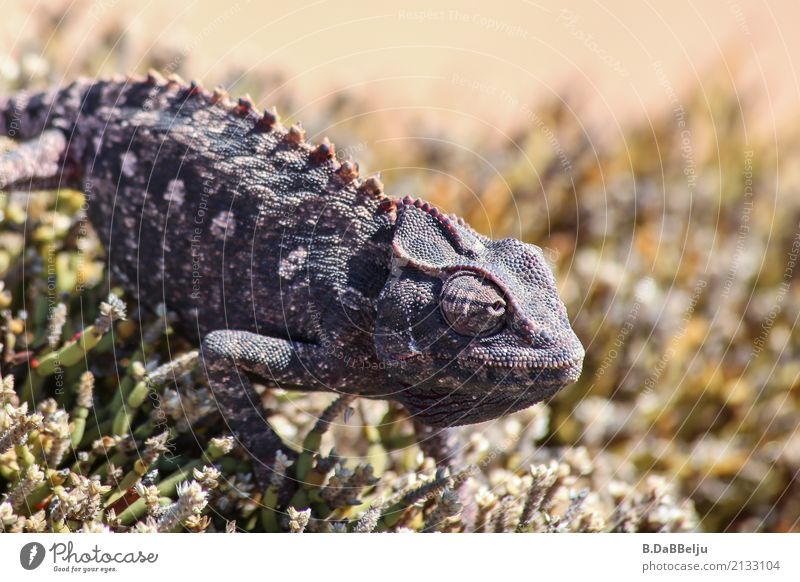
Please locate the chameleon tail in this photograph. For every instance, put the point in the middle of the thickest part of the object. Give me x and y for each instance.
(41, 120)
(25, 115)
(36, 164)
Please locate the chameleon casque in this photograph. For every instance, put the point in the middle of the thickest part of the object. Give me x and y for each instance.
(287, 266)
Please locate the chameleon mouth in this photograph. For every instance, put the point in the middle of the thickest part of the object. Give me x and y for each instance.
(565, 354)
(572, 366)
(457, 394)
(439, 408)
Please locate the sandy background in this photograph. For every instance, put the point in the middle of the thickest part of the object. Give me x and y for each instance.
(615, 56)
(649, 147)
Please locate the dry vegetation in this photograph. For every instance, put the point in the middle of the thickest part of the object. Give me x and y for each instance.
(676, 254)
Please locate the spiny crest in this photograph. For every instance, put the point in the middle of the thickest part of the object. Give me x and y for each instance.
(270, 119)
(194, 89)
(324, 152)
(155, 78)
(444, 220)
(244, 107)
(220, 96)
(347, 172)
(457, 219)
(296, 134)
(175, 80)
(389, 206)
(372, 187)
(454, 224)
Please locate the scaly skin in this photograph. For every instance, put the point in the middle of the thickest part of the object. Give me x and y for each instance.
(286, 265)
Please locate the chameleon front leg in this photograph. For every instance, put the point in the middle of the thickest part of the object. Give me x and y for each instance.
(230, 357)
(441, 444)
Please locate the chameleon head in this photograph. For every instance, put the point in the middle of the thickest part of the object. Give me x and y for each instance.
(472, 329)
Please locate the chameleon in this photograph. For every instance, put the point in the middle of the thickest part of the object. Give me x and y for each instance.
(289, 267)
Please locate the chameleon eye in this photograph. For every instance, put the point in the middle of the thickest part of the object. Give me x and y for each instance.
(472, 305)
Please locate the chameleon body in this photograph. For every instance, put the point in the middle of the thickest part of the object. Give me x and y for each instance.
(287, 265)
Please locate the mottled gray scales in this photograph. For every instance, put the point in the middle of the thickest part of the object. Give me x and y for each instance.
(293, 269)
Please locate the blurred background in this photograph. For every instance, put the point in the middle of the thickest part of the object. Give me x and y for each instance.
(650, 149)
